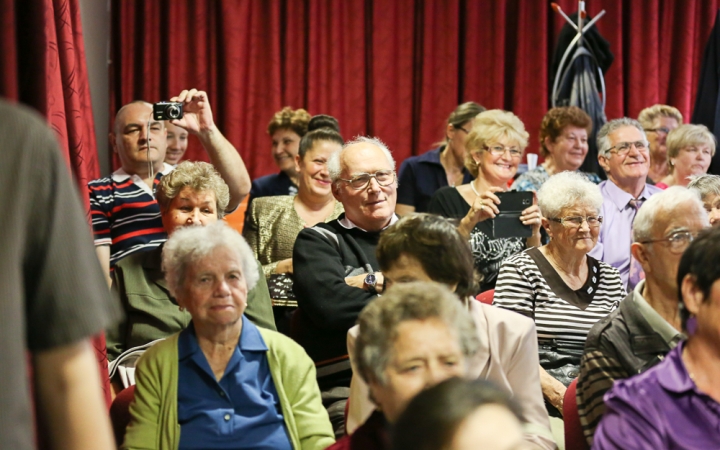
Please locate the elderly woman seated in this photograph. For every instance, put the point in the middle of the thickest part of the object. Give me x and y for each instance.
(559, 285)
(676, 404)
(413, 337)
(690, 149)
(493, 150)
(424, 247)
(192, 194)
(222, 382)
(460, 414)
(564, 145)
(708, 186)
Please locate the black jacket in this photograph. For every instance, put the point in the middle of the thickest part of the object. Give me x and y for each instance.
(327, 306)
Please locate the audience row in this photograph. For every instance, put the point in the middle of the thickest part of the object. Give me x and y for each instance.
(582, 275)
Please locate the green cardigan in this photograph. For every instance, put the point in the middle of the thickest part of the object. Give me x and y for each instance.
(154, 411)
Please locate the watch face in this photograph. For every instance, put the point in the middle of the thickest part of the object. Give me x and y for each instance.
(370, 279)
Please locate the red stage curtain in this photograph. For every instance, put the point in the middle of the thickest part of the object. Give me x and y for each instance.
(42, 64)
(394, 69)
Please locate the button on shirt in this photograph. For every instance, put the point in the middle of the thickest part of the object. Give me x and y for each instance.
(613, 245)
(659, 409)
(242, 410)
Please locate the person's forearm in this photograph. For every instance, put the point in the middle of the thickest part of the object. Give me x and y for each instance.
(553, 390)
(70, 399)
(228, 163)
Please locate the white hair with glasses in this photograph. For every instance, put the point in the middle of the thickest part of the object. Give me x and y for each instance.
(603, 139)
(567, 190)
(189, 244)
(667, 200)
(334, 164)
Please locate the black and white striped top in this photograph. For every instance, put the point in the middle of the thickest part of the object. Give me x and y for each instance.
(529, 285)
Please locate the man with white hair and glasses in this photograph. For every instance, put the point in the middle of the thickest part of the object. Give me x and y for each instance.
(623, 153)
(647, 325)
(335, 269)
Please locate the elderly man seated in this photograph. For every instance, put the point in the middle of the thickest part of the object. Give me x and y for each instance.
(623, 154)
(647, 325)
(336, 272)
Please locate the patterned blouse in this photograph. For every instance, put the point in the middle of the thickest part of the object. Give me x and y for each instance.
(533, 179)
(272, 228)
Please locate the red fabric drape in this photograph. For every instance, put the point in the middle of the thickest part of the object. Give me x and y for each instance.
(394, 69)
(43, 66)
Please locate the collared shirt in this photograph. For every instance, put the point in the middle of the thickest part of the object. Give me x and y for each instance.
(656, 321)
(422, 175)
(242, 410)
(349, 224)
(613, 245)
(125, 214)
(659, 409)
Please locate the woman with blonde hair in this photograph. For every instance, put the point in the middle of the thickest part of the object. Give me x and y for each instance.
(690, 149)
(494, 149)
(658, 121)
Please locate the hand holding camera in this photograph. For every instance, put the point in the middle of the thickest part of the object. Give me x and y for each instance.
(190, 110)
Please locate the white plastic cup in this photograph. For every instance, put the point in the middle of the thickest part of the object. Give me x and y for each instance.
(532, 159)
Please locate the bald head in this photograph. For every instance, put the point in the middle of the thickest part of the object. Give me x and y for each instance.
(120, 116)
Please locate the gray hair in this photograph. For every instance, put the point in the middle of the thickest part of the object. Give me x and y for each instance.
(705, 185)
(603, 141)
(334, 164)
(565, 190)
(379, 323)
(189, 244)
(667, 200)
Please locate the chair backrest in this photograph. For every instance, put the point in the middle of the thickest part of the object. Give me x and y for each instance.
(574, 437)
(486, 297)
(120, 413)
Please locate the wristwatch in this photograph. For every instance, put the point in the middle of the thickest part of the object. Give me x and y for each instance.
(371, 281)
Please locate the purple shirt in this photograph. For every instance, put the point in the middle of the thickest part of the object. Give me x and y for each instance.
(613, 245)
(659, 409)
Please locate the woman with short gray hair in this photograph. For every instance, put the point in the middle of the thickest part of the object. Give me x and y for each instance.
(708, 186)
(690, 148)
(222, 382)
(562, 288)
(413, 337)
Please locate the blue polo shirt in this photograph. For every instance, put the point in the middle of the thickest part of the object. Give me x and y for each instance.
(242, 410)
(422, 175)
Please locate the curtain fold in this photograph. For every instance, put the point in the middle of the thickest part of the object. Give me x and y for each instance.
(394, 69)
(43, 66)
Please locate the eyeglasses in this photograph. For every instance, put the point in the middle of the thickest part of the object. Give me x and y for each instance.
(678, 240)
(622, 148)
(499, 150)
(360, 181)
(577, 221)
(458, 127)
(664, 130)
